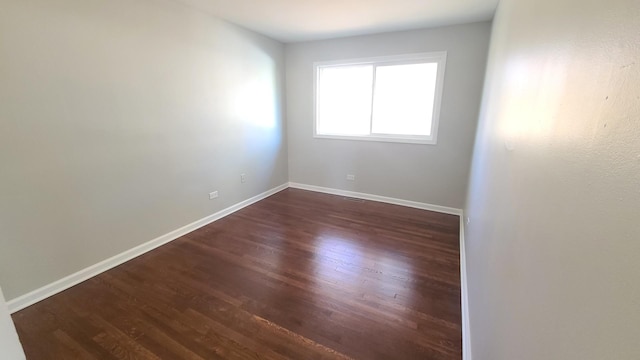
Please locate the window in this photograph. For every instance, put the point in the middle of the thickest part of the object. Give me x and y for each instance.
(393, 99)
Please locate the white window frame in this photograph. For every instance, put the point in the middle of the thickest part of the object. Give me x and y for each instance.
(439, 57)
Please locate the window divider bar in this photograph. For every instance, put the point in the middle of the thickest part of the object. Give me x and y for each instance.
(373, 95)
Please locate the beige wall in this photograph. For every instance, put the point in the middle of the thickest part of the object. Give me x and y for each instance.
(117, 118)
(434, 174)
(553, 246)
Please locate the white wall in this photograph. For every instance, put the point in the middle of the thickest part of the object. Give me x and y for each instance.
(434, 174)
(10, 347)
(553, 246)
(117, 118)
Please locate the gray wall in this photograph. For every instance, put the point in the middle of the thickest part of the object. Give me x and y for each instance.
(10, 347)
(434, 174)
(553, 246)
(117, 118)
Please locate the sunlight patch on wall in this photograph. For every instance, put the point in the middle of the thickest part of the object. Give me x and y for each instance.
(534, 95)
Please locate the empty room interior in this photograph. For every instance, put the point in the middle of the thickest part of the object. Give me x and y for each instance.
(287, 179)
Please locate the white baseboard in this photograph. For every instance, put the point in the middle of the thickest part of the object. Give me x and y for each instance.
(46, 291)
(466, 329)
(384, 199)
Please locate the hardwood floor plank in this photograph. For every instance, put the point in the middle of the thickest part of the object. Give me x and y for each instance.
(299, 275)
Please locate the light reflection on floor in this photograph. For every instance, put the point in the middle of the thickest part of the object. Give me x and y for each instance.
(361, 267)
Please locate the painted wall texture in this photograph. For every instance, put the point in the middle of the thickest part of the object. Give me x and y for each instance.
(554, 196)
(433, 174)
(10, 347)
(117, 118)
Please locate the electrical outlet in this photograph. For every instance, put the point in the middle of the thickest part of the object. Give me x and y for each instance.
(351, 177)
(213, 195)
(243, 178)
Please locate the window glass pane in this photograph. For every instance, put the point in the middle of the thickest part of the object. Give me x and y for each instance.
(403, 100)
(344, 99)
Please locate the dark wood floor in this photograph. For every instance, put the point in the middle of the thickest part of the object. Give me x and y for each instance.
(299, 275)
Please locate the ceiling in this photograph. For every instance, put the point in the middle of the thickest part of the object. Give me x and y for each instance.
(303, 20)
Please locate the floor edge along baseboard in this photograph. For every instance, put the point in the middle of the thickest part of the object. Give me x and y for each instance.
(384, 199)
(57, 286)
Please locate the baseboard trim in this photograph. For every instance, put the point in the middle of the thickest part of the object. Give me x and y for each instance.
(466, 327)
(55, 287)
(384, 199)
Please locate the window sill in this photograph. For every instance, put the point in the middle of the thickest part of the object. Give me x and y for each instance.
(405, 140)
